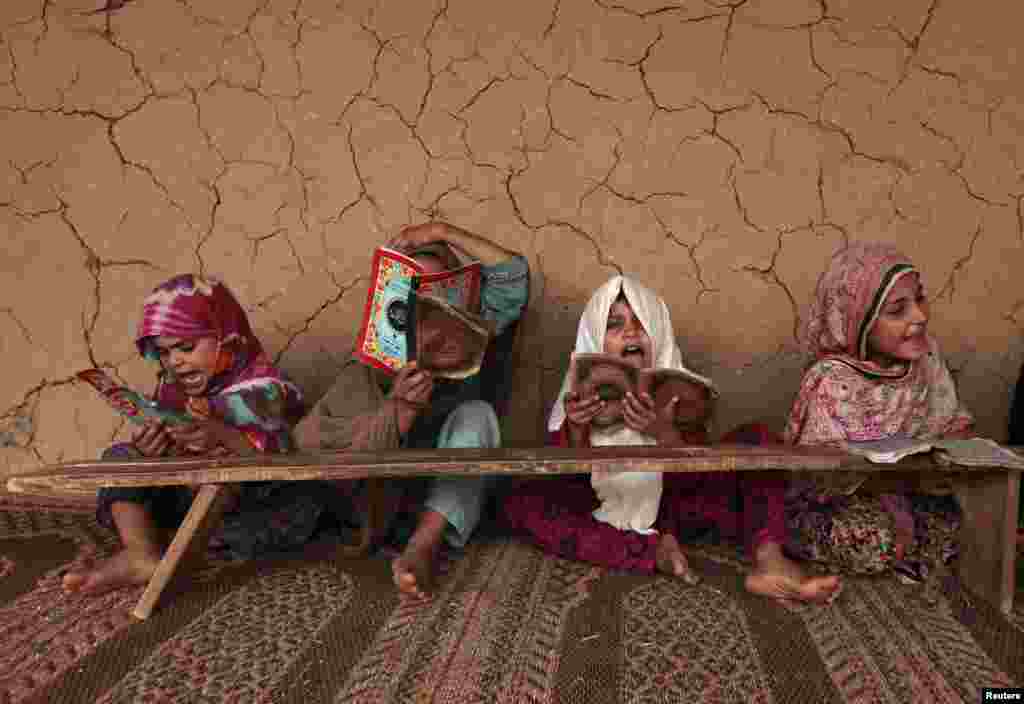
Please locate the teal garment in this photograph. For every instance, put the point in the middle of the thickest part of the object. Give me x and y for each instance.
(461, 499)
(462, 413)
(505, 291)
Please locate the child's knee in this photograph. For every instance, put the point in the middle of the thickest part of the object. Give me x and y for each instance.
(471, 424)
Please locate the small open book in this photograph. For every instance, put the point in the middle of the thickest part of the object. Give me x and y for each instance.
(129, 403)
(383, 340)
(973, 452)
(444, 340)
(611, 377)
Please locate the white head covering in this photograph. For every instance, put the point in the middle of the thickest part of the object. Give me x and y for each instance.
(629, 500)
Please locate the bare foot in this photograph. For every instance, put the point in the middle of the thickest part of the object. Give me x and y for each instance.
(778, 577)
(670, 560)
(413, 570)
(126, 568)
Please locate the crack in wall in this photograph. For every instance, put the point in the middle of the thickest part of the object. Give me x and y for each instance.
(771, 276)
(308, 322)
(270, 49)
(691, 252)
(948, 289)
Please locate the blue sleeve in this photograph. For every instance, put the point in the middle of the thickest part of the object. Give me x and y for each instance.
(505, 291)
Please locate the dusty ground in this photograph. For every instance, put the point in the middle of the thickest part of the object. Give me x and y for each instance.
(719, 150)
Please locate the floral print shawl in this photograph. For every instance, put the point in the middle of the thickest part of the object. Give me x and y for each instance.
(246, 391)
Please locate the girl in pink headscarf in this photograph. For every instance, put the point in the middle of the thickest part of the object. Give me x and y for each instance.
(876, 373)
(212, 366)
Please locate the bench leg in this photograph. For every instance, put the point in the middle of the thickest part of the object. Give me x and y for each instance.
(990, 503)
(382, 499)
(189, 542)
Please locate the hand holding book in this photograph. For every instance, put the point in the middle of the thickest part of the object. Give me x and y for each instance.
(607, 391)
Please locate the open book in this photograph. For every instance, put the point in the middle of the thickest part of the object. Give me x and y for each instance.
(129, 403)
(611, 377)
(387, 335)
(444, 340)
(973, 452)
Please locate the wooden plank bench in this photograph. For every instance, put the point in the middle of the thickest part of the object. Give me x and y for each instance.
(989, 497)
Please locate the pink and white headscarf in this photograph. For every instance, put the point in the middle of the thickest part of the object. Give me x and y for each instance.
(247, 390)
(844, 396)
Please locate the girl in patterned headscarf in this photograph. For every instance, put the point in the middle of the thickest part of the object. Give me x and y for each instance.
(876, 373)
(630, 520)
(211, 366)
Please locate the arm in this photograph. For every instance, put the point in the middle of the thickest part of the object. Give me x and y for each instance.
(255, 419)
(354, 415)
(350, 415)
(486, 252)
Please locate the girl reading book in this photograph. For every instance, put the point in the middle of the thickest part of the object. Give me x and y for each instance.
(423, 407)
(876, 373)
(631, 520)
(212, 367)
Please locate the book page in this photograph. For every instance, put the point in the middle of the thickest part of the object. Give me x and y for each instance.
(607, 376)
(447, 341)
(130, 404)
(979, 452)
(458, 287)
(888, 450)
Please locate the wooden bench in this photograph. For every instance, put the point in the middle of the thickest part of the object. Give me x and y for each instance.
(989, 497)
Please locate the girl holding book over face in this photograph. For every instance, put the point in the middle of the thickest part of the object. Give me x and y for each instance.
(876, 373)
(212, 369)
(631, 520)
(420, 408)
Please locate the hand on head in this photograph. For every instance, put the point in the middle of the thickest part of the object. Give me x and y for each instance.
(416, 236)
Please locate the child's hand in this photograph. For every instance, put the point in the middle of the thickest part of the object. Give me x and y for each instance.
(416, 236)
(642, 416)
(151, 439)
(581, 411)
(411, 392)
(206, 436)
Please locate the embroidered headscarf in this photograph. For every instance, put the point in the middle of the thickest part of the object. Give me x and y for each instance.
(629, 500)
(846, 396)
(246, 390)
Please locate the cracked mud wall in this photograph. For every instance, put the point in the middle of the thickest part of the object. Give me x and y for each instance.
(720, 150)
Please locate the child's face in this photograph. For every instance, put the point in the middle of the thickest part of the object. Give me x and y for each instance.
(192, 362)
(626, 337)
(899, 333)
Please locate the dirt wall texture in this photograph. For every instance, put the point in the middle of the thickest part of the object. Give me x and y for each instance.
(719, 150)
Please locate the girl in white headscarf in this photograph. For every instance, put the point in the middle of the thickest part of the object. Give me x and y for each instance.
(630, 520)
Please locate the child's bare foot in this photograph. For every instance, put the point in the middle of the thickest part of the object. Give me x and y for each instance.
(413, 570)
(670, 560)
(126, 568)
(778, 577)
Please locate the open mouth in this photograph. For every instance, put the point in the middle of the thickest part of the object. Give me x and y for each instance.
(191, 378)
(633, 352)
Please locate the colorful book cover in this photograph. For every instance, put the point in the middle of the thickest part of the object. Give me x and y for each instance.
(131, 404)
(383, 340)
